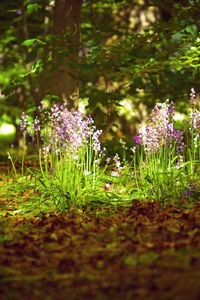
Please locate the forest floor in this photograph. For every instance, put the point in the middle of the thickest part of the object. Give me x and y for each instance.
(144, 251)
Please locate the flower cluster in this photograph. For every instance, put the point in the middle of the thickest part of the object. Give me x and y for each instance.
(36, 124)
(190, 191)
(192, 97)
(160, 130)
(65, 131)
(197, 120)
(70, 130)
(117, 166)
(24, 124)
(194, 121)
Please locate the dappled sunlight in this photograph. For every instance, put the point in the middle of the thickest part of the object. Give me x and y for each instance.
(7, 129)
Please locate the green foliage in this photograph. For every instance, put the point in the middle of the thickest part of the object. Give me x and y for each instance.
(121, 55)
(155, 59)
(31, 42)
(31, 8)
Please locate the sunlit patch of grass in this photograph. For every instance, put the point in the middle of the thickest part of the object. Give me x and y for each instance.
(14, 194)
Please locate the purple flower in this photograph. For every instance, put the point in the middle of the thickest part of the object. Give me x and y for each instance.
(24, 124)
(137, 139)
(194, 124)
(64, 132)
(178, 139)
(192, 96)
(187, 193)
(71, 130)
(192, 187)
(160, 130)
(19, 12)
(95, 137)
(195, 120)
(190, 190)
(36, 125)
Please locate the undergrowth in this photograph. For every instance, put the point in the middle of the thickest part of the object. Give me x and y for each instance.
(74, 170)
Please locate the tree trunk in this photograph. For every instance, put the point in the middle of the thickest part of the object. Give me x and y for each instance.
(61, 79)
(64, 82)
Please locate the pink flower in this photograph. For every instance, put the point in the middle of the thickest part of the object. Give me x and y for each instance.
(107, 186)
(160, 130)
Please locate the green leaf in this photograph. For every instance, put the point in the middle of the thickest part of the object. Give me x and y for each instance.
(31, 8)
(32, 109)
(30, 42)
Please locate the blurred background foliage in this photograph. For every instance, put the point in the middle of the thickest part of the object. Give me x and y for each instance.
(112, 59)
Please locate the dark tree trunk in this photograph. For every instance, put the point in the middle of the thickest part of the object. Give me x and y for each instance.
(64, 81)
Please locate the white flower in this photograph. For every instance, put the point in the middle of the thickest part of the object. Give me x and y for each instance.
(107, 186)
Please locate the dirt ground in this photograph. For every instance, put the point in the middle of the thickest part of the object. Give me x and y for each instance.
(143, 252)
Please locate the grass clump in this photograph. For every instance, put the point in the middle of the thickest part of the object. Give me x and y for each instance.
(69, 154)
(166, 159)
